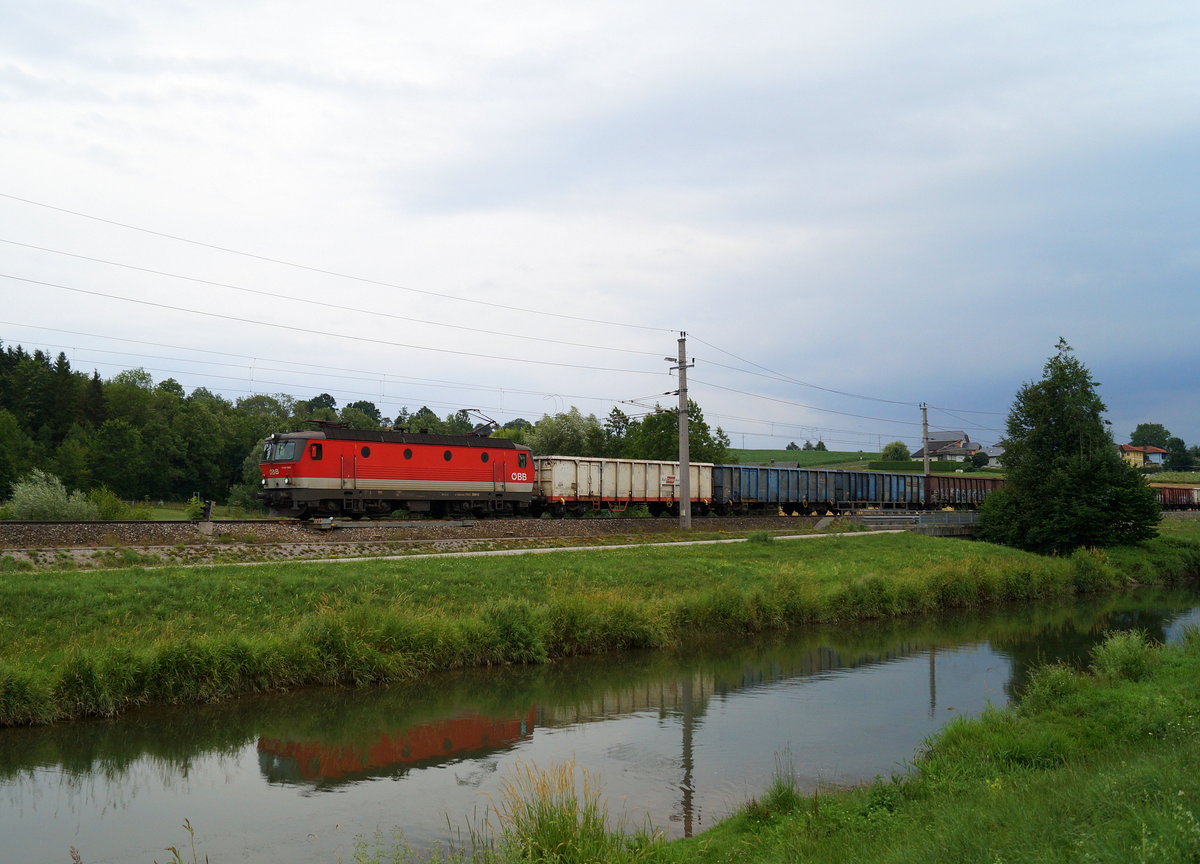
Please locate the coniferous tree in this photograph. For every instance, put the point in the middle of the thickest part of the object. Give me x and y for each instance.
(1067, 486)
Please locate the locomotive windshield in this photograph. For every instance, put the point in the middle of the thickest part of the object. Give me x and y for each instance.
(281, 451)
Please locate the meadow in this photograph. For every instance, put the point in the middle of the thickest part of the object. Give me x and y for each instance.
(96, 643)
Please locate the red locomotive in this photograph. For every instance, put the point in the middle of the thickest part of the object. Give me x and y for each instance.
(358, 472)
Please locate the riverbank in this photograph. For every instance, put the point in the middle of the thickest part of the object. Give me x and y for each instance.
(1100, 767)
(78, 644)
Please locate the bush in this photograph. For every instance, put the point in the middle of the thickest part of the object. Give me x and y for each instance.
(108, 505)
(1048, 686)
(244, 496)
(1127, 655)
(194, 509)
(42, 496)
(895, 451)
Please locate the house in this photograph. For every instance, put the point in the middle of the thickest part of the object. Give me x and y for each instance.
(1142, 457)
(948, 447)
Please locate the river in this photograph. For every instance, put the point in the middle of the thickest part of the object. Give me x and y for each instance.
(677, 738)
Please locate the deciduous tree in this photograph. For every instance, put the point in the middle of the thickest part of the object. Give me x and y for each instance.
(894, 451)
(1150, 435)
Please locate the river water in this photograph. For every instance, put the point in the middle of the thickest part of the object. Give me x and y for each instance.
(677, 738)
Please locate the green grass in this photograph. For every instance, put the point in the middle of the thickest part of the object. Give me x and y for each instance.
(806, 458)
(1174, 477)
(78, 644)
(170, 511)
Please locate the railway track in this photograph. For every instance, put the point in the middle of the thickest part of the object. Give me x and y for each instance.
(49, 535)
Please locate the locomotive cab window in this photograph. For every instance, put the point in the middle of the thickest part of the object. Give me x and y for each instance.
(314, 451)
(521, 459)
(285, 451)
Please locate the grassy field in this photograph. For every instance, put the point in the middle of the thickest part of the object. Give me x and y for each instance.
(806, 458)
(76, 644)
(1192, 477)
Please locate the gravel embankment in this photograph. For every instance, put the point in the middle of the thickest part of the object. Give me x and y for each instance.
(148, 543)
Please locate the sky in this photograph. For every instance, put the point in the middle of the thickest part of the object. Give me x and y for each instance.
(850, 209)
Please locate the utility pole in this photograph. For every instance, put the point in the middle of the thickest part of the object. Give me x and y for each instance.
(685, 465)
(925, 439)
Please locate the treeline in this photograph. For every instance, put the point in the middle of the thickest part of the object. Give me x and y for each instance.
(145, 440)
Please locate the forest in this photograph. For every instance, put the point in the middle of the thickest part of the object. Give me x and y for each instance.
(147, 440)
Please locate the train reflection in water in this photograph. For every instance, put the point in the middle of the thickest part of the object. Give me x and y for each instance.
(393, 753)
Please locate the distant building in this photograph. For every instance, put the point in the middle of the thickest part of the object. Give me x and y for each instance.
(1142, 457)
(948, 447)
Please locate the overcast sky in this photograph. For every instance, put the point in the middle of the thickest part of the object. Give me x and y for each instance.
(518, 207)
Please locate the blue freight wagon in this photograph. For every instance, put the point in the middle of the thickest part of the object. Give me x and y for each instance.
(752, 488)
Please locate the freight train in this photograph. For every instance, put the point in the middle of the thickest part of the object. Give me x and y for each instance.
(357, 472)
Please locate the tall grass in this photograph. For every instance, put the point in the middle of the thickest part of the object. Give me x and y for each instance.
(95, 644)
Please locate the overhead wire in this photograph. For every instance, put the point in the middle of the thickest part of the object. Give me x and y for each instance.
(341, 307)
(382, 378)
(782, 377)
(315, 332)
(327, 272)
(802, 405)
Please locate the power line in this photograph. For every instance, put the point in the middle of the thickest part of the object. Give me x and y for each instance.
(325, 272)
(385, 399)
(382, 377)
(314, 332)
(338, 306)
(780, 376)
(807, 407)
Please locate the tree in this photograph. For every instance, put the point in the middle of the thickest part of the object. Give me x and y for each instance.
(323, 400)
(895, 451)
(424, 420)
(17, 452)
(616, 433)
(568, 433)
(1178, 458)
(656, 436)
(807, 445)
(1150, 435)
(820, 445)
(794, 446)
(1067, 485)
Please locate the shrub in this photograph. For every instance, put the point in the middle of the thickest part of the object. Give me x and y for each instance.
(42, 496)
(108, 505)
(194, 509)
(1127, 655)
(1048, 686)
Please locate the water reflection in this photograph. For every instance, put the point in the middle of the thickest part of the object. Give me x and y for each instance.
(324, 764)
(678, 737)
